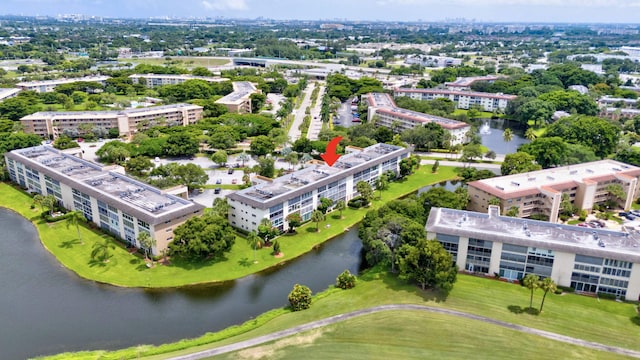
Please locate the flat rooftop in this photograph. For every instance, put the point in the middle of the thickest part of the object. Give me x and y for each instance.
(109, 113)
(307, 179)
(63, 81)
(178, 76)
(241, 91)
(532, 233)
(467, 81)
(454, 92)
(6, 92)
(562, 177)
(110, 187)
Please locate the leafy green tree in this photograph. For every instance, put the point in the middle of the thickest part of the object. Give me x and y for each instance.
(254, 241)
(294, 220)
(257, 101)
(317, 216)
(64, 142)
(49, 201)
(181, 144)
(539, 111)
(220, 157)
(138, 165)
(547, 151)
(346, 280)
(531, 282)
(113, 152)
(616, 191)
(266, 165)
(547, 285)
(38, 200)
(517, 163)
(74, 218)
(598, 134)
(262, 145)
(440, 197)
(266, 230)
(191, 175)
(471, 151)
(530, 134)
(300, 297)
(571, 101)
(276, 248)
(203, 237)
(146, 243)
(365, 191)
(325, 204)
(434, 168)
(513, 211)
(220, 207)
(341, 205)
(428, 263)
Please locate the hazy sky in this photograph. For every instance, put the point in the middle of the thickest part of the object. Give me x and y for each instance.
(407, 10)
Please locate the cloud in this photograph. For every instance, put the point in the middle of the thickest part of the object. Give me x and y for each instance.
(225, 5)
(479, 3)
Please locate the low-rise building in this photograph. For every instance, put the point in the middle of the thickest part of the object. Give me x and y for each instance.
(463, 99)
(50, 85)
(239, 101)
(6, 93)
(300, 192)
(607, 101)
(592, 261)
(432, 60)
(464, 83)
(153, 80)
(384, 112)
(540, 192)
(615, 113)
(51, 124)
(116, 203)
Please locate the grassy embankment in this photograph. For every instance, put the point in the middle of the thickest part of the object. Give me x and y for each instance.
(416, 334)
(125, 269)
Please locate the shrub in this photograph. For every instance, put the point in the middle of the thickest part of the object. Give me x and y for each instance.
(607, 296)
(558, 291)
(357, 202)
(583, 215)
(346, 280)
(566, 289)
(300, 297)
(276, 247)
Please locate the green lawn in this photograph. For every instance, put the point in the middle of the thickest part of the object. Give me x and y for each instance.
(481, 114)
(125, 269)
(602, 321)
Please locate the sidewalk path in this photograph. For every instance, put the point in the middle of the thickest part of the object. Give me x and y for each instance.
(299, 113)
(334, 319)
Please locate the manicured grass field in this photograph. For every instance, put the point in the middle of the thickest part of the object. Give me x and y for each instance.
(125, 269)
(396, 332)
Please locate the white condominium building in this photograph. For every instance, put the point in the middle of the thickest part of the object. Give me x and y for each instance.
(300, 192)
(589, 260)
(113, 201)
(464, 83)
(384, 112)
(463, 99)
(51, 124)
(153, 80)
(239, 101)
(6, 93)
(50, 85)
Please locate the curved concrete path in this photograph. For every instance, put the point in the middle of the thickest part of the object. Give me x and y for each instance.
(333, 319)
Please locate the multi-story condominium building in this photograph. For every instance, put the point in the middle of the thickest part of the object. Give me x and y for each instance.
(590, 261)
(463, 99)
(540, 192)
(153, 80)
(615, 113)
(464, 83)
(607, 101)
(384, 112)
(115, 202)
(49, 85)
(300, 192)
(51, 124)
(239, 101)
(432, 61)
(6, 93)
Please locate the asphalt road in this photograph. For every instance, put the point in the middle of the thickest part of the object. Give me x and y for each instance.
(341, 317)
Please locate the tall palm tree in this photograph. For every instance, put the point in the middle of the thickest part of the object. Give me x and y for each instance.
(254, 241)
(49, 201)
(244, 157)
(316, 217)
(507, 136)
(340, 206)
(531, 281)
(73, 219)
(146, 242)
(39, 201)
(546, 285)
(530, 134)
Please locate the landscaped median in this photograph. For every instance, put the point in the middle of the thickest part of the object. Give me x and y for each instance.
(128, 270)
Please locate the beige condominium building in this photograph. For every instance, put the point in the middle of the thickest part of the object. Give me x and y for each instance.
(153, 80)
(239, 101)
(384, 112)
(593, 261)
(50, 85)
(540, 192)
(463, 99)
(51, 124)
(118, 204)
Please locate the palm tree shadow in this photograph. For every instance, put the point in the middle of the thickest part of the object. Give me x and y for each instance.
(635, 320)
(516, 309)
(95, 262)
(245, 262)
(69, 243)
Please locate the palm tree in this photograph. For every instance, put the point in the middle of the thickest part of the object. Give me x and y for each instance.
(49, 201)
(306, 157)
(244, 157)
(507, 135)
(254, 241)
(340, 206)
(39, 201)
(530, 134)
(381, 184)
(100, 250)
(146, 243)
(531, 282)
(316, 217)
(73, 219)
(547, 285)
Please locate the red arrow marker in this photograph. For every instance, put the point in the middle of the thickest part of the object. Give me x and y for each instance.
(330, 156)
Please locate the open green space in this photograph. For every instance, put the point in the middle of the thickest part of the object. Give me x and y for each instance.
(125, 269)
(481, 114)
(602, 321)
(179, 61)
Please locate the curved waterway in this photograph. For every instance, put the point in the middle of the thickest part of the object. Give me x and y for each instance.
(46, 309)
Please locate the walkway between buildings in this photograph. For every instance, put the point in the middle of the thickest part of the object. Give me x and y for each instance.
(341, 317)
(299, 113)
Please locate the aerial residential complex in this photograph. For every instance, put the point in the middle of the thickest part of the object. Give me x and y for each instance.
(588, 260)
(50, 85)
(464, 83)
(111, 200)
(51, 124)
(540, 192)
(300, 192)
(6, 93)
(463, 99)
(384, 112)
(153, 80)
(239, 101)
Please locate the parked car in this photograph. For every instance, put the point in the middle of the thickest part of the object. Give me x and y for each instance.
(230, 171)
(584, 225)
(635, 212)
(622, 214)
(217, 190)
(219, 181)
(234, 181)
(630, 217)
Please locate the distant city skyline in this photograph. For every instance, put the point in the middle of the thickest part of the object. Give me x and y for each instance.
(565, 11)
